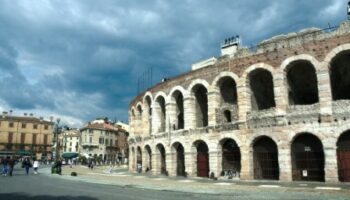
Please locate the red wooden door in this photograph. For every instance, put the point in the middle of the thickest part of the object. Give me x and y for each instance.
(344, 165)
(202, 165)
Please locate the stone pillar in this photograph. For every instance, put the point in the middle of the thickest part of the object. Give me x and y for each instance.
(170, 116)
(280, 92)
(213, 163)
(324, 93)
(243, 100)
(247, 169)
(213, 104)
(189, 112)
(156, 163)
(191, 161)
(156, 118)
(284, 163)
(331, 164)
(170, 164)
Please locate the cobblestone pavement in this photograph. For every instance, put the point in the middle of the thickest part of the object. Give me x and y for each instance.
(242, 189)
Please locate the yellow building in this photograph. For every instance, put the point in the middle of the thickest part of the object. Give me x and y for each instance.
(25, 136)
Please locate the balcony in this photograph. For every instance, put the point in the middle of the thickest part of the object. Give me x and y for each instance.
(88, 144)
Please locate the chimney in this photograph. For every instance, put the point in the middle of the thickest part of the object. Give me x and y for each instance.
(230, 46)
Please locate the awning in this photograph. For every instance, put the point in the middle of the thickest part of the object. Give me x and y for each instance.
(69, 155)
(24, 153)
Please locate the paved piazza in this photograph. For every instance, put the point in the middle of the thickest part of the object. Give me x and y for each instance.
(98, 184)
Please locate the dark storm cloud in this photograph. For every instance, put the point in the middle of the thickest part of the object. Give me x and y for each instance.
(81, 59)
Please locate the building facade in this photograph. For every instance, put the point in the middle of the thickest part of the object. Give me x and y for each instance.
(278, 112)
(104, 140)
(70, 141)
(25, 136)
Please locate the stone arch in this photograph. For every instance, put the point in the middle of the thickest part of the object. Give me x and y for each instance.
(301, 79)
(339, 71)
(222, 75)
(178, 111)
(201, 156)
(161, 158)
(139, 109)
(200, 107)
(343, 156)
(160, 112)
(147, 102)
(307, 158)
(226, 85)
(149, 95)
(148, 157)
(259, 79)
(178, 152)
(196, 82)
(178, 88)
(230, 157)
(265, 158)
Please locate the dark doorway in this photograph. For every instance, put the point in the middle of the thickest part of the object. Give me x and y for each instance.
(307, 158)
(265, 159)
(161, 150)
(343, 155)
(202, 159)
(262, 94)
(149, 152)
(340, 76)
(180, 159)
(179, 109)
(149, 113)
(302, 82)
(161, 113)
(201, 105)
(231, 156)
(139, 159)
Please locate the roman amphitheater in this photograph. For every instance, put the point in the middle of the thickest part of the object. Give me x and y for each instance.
(280, 111)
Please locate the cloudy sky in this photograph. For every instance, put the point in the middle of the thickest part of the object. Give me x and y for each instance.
(81, 59)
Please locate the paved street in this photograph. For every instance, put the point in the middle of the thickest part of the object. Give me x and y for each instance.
(98, 184)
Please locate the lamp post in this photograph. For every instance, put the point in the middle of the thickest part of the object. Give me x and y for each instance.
(57, 131)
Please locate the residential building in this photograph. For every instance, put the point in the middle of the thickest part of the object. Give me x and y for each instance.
(103, 139)
(25, 136)
(69, 141)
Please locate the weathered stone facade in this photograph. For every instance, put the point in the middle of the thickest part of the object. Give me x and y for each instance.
(275, 113)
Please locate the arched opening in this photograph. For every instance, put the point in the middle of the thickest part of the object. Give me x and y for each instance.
(179, 112)
(265, 155)
(180, 159)
(227, 115)
(228, 101)
(149, 113)
(201, 105)
(261, 85)
(202, 159)
(302, 82)
(307, 158)
(139, 159)
(132, 160)
(139, 111)
(231, 158)
(162, 162)
(161, 113)
(340, 76)
(343, 155)
(148, 158)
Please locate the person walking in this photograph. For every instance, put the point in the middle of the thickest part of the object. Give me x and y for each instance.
(35, 166)
(26, 165)
(11, 165)
(4, 164)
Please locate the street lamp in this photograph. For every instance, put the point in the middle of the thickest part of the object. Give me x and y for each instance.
(57, 131)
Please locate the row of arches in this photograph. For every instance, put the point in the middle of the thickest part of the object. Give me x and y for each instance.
(307, 158)
(301, 81)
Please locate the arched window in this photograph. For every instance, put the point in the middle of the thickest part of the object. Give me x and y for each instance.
(261, 85)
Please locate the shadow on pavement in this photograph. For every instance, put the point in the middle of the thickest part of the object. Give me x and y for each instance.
(20, 196)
